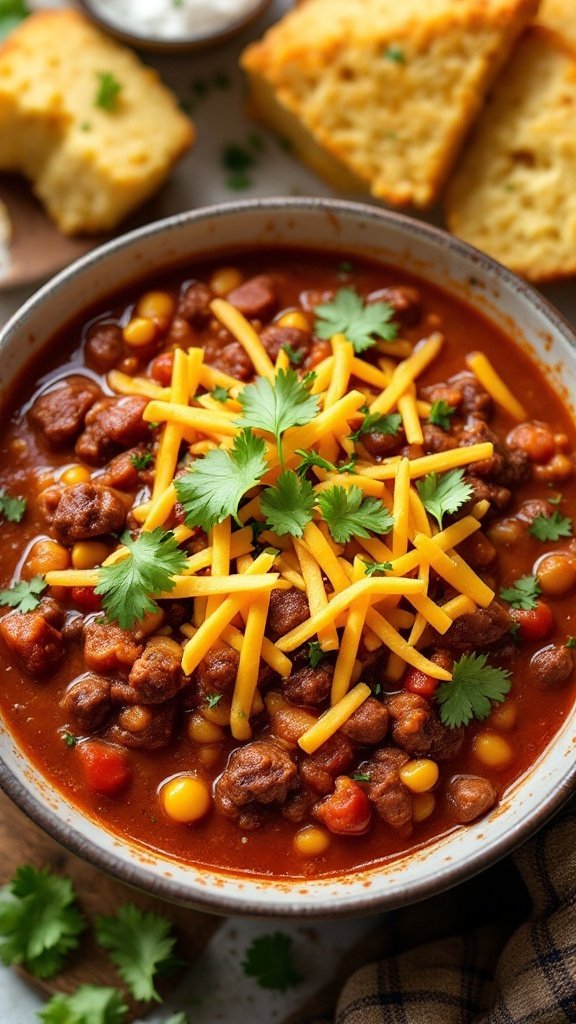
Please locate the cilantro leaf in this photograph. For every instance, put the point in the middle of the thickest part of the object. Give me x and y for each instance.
(349, 514)
(374, 567)
(288, 506)
(39, 922)
(11, 508)
(276, 405)
(220, 394)
(309, 459)
(570, 642)
(395, 54)
(441, 414)
(523, 594)
(269, 959)
(89, 1004)
(69, 739)
(108, 91)
(556, 499)
(12, 12)
(361, 323)
(315, 653)
(179, 1018)
(472, 690)
(25, 595)
(294, 355)
(214, 486)
(140, 944)
(141, 460)
(212, 699)
(444, 493)
(127, 586)
(374, 422)
(551, 527)
(361, 777)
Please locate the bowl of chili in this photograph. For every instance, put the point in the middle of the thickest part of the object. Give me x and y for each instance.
(289, 570)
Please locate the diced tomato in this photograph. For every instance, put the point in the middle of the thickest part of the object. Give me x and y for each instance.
(347, 810)
(106, 768)
(161, 368)
(86, 599)
(419, 682)
(535, 623)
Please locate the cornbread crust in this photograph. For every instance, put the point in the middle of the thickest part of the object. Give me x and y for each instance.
(514, 192)
(559, 15)
(378, 93)
(89, 166)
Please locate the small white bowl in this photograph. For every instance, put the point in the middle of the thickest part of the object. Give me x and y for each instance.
(347, 228)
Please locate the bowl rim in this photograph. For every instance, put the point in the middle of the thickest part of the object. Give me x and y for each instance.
(141, 875)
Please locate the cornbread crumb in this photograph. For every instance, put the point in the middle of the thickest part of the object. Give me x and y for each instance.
(379, 94)
(514, 192)
(88, 164)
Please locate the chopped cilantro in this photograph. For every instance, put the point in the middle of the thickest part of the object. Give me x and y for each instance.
(523, 594)
(309, 459)
(69, 739)
(12, 12)
(140, 944)
(214, 486)
(374, 422)
(293, 354)
(441, 414)
(288, 505)
(213, 699)
(362, 323)
(269, 959)
(220, 394)
(315, 654)
(556, 499)
(141, 460)
(11, 508)
(25, 595)
(474, 687)
(395, 54)
(570, 642)
(345, 268)
(108, 91)
(276, 405)
(238, 160)
(444, 493)
(361, 777)
(348, 513)
(374, 567)
(127, 587)
(89, 1004)
(551, 527)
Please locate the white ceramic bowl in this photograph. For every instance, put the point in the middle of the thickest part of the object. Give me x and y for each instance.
(348, 228)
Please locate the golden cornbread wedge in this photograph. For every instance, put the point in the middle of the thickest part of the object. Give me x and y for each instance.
(378, 95)
(514, 192)
(90, 163)
(559, 15)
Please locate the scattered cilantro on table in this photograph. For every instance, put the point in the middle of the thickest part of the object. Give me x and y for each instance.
(374, 422)
(12, 12)
(374, 567)
(179, 1018)
(441, 414)
(108, 91)
(523, 594)
(126, 586)
(213, 487)
(25, 595)
(39, 921)
(89, 1004)
(288, 505)
(140, 945)
(551, 527)
(474, 687)
(270, 960)
(361, 323)
(274, 406)
(348, 513)
(444, 493)
(315, 653)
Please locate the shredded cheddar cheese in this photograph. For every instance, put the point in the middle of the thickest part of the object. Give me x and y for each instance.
(333, 719)
(482, 368)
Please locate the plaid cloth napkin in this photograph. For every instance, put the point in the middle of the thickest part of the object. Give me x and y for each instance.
(486, 976)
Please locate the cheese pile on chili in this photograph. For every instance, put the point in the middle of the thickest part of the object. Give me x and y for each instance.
(322, 536)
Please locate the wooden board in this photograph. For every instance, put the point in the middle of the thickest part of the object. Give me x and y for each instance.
(22, 842)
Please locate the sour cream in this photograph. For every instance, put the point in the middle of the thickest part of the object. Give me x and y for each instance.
(174, 19)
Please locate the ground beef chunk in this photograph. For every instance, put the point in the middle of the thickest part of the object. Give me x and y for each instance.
(275, 337)
(33, 640)
(82, 511)
(144, 727)
(551, 666)
(104, 346)
(87, 699)
(254, 298)
(443, 392)
(288, 723)
(73, 626)
(475, 401)
(380, 445)
(52, 612)
(260, 772)
(368, 724)
(385, 790)
(60, 413)
(108, 648)
(319, 770)
(417, 729)
(530, 510)
(231, 359)
(483, 628)
(217, 672)
(478, 550)
(405, 302)
(482, 490)
(111, 424)
(288, 609)
(507, 466)
(156, 675)
(194, 304)
(309, 685)
(121, 472)
(437, 440)
(468, 797)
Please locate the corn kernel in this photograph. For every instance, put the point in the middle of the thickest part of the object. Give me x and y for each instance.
(311, 841)
(87, 554)
(75, 475)
(219, 714)
(492, 750)
(156, 306)
(423, 805)
(200, 730)
(151, 622)
(45, 480)
(420, 775)
(135, 719)
(139, 332)
(185, 799)
(209, 755)
(505, 716)
(294, 318)
(47, 556)
(224, 280)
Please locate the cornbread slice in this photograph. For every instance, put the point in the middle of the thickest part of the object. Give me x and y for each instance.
(559, 15)
(89, 164)
(514, 192)
(378, 94)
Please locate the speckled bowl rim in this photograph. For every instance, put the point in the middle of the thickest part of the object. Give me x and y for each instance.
(148, 879)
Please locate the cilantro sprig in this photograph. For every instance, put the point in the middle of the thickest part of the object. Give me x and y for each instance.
(141, 460)
(25, 595)
(444, 493)
(315, 653)
(89, 1004)
(523, 594)
(274, 406)
(474, 687)
(126, 587)
(270, 960)
(140, 945)
(11, 508)
(213, 487)
(348, 513)
(373, 567)
(551, 527)
(374, 422)
(310, 459)
(441, 414)
(288, 505)
(361, 323)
